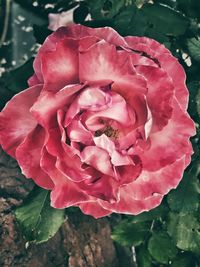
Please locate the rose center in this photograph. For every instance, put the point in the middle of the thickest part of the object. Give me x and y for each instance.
(108, 131)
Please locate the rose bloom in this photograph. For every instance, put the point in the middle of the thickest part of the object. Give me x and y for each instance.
(103, 124)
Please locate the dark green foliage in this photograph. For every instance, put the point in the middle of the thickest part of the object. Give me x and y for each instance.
(170, 234)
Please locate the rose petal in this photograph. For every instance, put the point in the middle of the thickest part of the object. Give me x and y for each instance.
(159, 84)
(170, 64)
(106, 33)
(103, 187)
(67, 161)
(65, 192)
(118, 111)
(97, 158)
(78, 133)
(16, 121)
(28, 155)
(60, 67)
(91, 98)
(48, 45)
(128, 205)
(170, 144)
(94, 209)
(102, 62)
(44, 109)
(161, 181)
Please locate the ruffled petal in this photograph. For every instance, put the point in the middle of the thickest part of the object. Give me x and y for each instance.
(128, 205)
(91, 98)
(159, 84)
(46, 106)
(102, 187)
(65, 192)
(163, 57)
(16, 121)
(171, 143)
(106, 33)
(28, 155)
(161, 181)
(67, 161)
(94, 209)
(97, 158)
(78, 133)
(48, 45)
(60, 67)
(103, 62)
(117, 111)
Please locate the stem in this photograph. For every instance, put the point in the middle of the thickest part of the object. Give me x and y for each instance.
(6, 21)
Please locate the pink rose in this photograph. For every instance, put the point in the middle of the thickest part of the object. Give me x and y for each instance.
(103, 124)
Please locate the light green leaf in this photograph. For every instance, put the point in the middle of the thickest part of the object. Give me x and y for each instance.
(185, 231)
(161, 247)
(37, 219)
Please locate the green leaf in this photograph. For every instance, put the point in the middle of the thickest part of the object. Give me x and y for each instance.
(131, 234)
(156, 213)
(16, 80)
(143, 257)
(185, 198)
(165, 20)
(194, 100)
(161, 247)
(40, 33)
(194, 48)
(115, 7)
(95, 8)
(37, 219)
(185, 231)
(183, 260)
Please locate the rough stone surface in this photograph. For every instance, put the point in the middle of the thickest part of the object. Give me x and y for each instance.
(81, 242)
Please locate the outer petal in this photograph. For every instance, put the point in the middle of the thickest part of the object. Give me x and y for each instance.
(49, 45)
(65, 192)
(164, 58)
(103, 62)
(94, 209)
(106, 33)
(159, 96)
(170, 144)
(161, 181)
(28, 155)
(60, 67)
(16, 121)
(128, 205)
